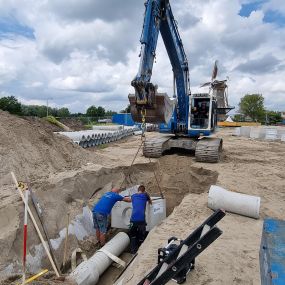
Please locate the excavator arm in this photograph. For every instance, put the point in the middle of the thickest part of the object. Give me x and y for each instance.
(157, 107)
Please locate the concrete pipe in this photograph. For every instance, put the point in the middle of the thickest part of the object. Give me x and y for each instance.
(75, 136)
(88, 272)
(85, 144)
(90, 143)
(220, 198)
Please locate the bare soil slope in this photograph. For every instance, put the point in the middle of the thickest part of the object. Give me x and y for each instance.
(31, 149)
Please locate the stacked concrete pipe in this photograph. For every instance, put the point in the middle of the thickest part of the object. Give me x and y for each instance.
(100, 135)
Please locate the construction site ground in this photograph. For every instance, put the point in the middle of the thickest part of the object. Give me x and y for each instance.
(65, 177)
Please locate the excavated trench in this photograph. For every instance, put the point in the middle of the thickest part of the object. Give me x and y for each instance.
(176, 175)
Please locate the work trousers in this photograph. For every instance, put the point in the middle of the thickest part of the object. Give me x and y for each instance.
(137, 235)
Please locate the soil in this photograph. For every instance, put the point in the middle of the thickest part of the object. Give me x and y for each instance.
(73, 123)
(65, 177)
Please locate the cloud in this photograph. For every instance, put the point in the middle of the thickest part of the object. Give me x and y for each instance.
(86, 52)
(89, 10)
(266, 64)
(274, 5)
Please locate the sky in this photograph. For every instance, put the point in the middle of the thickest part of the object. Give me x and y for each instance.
(83, 53)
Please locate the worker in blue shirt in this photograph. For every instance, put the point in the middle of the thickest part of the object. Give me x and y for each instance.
(102, 210)
(137, 221)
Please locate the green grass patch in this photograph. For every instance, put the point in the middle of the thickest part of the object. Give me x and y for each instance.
(102, 146)
(54, 121)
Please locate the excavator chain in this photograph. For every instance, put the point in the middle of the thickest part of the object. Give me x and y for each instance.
(209, 149)
(154, 148)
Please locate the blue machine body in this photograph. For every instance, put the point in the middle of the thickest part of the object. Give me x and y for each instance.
(159, 19)
(272, 253)
(123, 119)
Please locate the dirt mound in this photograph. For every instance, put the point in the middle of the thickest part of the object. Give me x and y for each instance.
(73, 123)
(31, 150)
(178, 177)
(43, 123)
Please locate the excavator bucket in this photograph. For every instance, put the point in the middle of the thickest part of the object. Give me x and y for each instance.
(160, 112)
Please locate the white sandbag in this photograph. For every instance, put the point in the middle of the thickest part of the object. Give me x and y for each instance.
(271, 134)
(237, 132)
(245, 131)
(254, 133)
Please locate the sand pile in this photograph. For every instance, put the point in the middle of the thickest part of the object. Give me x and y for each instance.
(31, 150)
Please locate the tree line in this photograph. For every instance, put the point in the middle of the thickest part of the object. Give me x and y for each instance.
(13, 106)
(251, 107)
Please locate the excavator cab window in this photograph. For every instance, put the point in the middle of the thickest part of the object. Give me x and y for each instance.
(200, 113)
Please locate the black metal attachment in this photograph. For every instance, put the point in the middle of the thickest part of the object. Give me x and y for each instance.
(175, 261)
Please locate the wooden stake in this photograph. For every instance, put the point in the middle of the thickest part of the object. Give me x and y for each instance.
(36, 226)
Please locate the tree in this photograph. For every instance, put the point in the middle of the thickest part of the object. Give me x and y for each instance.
(252, 105)
(273, 117)
(127, 110)
(36, 110)
(95, 112)
(100, 112)
(63, 112)
(110, 113)
(10, 104)
(91, 111)
(238, 118)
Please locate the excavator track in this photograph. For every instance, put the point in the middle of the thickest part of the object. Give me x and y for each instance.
(154, 147)
(209, 150)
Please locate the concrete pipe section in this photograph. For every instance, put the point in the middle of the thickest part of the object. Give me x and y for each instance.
(246, 205)
(100, 135)
(89, 272)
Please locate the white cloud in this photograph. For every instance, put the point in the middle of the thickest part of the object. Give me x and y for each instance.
(275, 5)
(86, 52)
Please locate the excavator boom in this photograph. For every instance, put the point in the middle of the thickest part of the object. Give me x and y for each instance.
(158, 107)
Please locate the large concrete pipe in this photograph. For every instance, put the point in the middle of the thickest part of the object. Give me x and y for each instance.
(108, 128)
(88, 272)
(220, 198)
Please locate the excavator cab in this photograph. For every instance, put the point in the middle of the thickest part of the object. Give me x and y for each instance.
(202, 119)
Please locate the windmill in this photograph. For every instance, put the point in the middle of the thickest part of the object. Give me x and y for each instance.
(219, 88)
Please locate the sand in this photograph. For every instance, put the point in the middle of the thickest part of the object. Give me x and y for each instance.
(250, 167)
(64, 177)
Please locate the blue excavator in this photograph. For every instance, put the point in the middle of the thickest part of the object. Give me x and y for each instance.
(191, 119)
